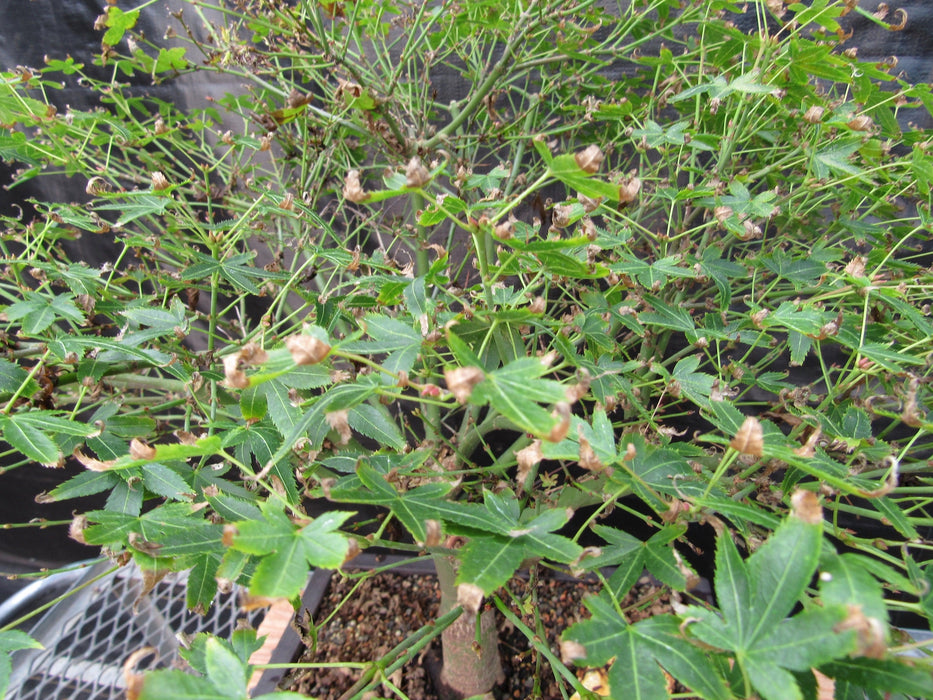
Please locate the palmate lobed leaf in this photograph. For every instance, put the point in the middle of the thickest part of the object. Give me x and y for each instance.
(489, 560)
(517, 390)
(640, 651)
(890, 675)
(288, 550)
(806, 640)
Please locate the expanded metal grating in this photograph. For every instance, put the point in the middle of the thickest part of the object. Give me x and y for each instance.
(88, 636)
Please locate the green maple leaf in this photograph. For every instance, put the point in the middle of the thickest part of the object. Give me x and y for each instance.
(414, 507)
(641, 651)
(489, 559)
(288, 550)
(517, 390)
(756, 596)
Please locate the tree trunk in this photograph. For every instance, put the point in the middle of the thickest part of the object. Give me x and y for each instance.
(471, 662)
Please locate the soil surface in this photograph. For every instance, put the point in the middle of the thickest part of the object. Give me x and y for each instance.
(386, 608)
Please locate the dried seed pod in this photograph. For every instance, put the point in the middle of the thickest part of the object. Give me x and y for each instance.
(589, 159)
(749, 439)
(352, 189)
(306, 349)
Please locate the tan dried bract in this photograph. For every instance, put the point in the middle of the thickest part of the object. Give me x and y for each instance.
(562, 413)
(159, 181)
(814, 114)
(588, 459)
(133, 681)
(140, 449)
(856, 266)
(97, 185)
(416, 175)
(570, 651)
(860, 123)
(461, 380)
(253, 354)
(77, 527)
(629, 190)
(470, 596)
(504, 231)
(95, 465)
(353, 190)
(306, 349)
(589, 159)
(433, 533)
(596, 680)
(805, 505)
(777, 7)
(749, 439)
(337, 420)
(234, 377)
(869, 633)
(527, 458)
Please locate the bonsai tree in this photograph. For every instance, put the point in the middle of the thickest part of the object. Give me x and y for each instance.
(503, 272)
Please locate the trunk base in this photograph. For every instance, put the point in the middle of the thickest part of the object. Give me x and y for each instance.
(470, 668)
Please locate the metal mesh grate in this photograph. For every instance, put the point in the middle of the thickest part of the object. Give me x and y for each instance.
(88, 636)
